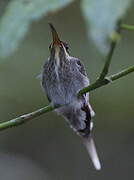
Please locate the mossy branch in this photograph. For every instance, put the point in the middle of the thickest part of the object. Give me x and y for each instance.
(101, 81)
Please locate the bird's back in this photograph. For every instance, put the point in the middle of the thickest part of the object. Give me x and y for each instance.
(63, 84)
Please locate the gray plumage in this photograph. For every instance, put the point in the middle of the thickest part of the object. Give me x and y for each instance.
(62, 78)
(62, 86)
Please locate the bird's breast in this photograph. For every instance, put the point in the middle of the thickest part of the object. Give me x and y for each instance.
(63, 83)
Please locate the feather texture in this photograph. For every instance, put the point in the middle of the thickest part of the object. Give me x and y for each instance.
(62, 81)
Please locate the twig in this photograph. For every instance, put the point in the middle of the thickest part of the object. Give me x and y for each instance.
(101, 81)
(25, 118)
(106, 80)
(127, 27)
(108, 61)
(113, 44)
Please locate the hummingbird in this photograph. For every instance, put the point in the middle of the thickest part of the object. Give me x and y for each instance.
(62, 77)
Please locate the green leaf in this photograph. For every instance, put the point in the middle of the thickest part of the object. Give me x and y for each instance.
(101, 17)
(18, 17)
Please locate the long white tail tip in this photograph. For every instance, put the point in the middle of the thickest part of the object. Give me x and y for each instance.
(90, 146)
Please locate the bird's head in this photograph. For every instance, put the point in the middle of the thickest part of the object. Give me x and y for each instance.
(58, 49)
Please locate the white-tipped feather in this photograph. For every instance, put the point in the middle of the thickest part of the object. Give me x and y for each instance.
(90, 146)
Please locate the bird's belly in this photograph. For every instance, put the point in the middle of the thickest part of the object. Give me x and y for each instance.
(64, 88)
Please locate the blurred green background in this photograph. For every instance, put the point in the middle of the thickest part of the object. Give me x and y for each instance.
(46, 148)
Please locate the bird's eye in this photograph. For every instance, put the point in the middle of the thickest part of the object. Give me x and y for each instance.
(67, 47)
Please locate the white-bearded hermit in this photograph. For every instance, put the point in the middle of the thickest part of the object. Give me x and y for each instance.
(62, 78)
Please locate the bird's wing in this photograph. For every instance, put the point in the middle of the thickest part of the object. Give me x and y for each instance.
(43, 81)
(86, 130)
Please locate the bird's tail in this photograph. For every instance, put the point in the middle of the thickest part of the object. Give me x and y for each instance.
(90, 146)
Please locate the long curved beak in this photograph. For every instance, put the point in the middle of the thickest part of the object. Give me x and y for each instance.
(56, 40)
